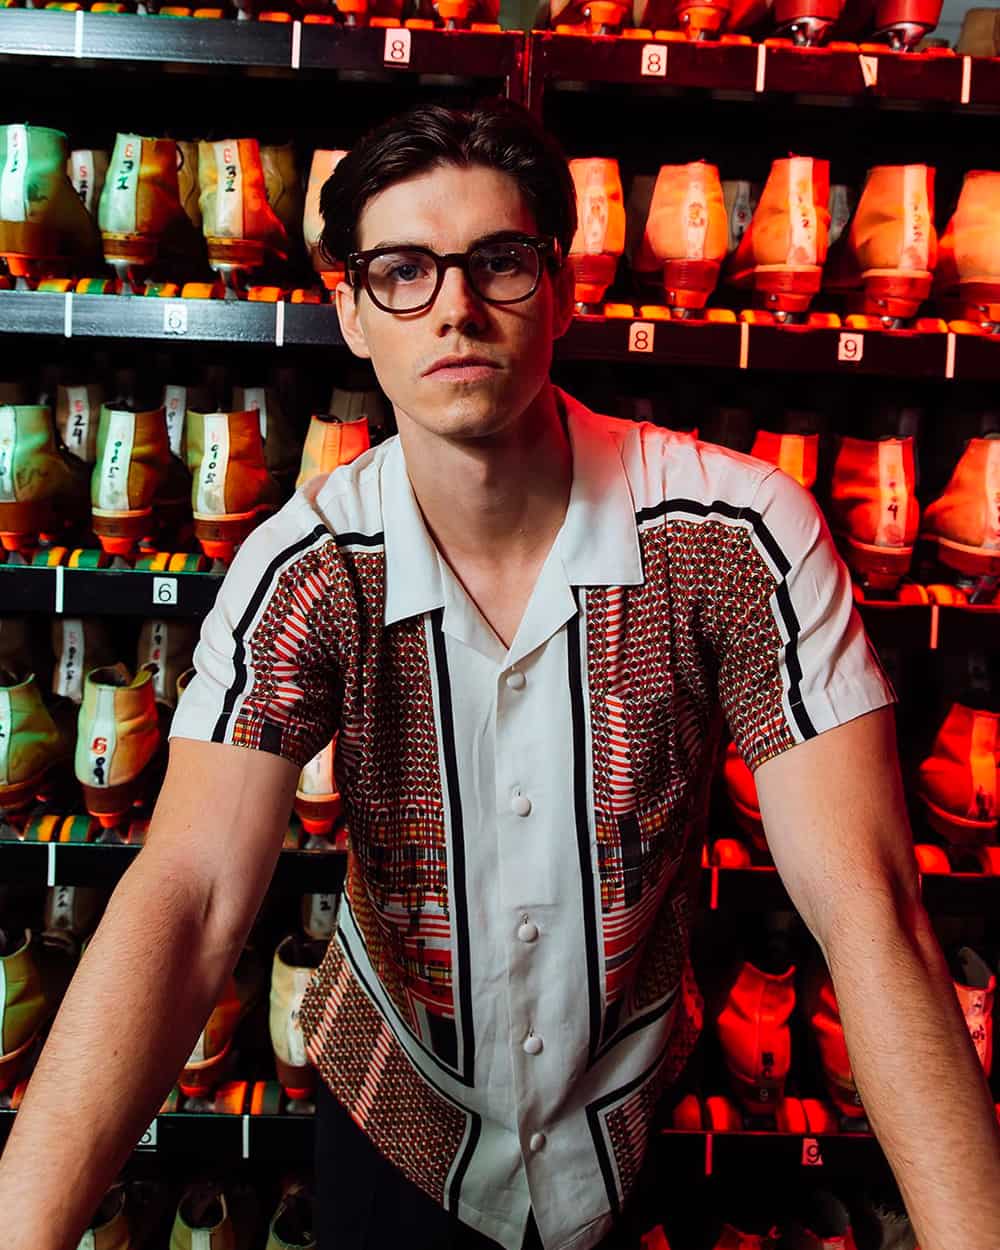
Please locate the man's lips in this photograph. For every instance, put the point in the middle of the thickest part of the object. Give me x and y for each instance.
(460, 363)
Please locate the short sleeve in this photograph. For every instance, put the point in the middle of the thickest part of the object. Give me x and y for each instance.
(793, 656)
(266, 671)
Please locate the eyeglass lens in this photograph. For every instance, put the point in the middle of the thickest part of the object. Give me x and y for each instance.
(404, 280)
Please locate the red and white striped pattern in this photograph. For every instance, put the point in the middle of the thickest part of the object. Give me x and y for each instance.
(622, 786)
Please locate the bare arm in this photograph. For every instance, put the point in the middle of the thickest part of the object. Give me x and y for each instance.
(170, 938)
(836, 823)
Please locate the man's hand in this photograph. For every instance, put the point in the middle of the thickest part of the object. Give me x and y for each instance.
(836, 824)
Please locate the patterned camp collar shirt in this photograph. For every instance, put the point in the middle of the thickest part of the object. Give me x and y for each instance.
(510, 992)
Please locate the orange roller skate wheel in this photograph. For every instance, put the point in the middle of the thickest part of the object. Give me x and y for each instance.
(931, 860)
(687, 1115)
(820, 1116)
(730, 853)
(722, 1115)
(790, 1117)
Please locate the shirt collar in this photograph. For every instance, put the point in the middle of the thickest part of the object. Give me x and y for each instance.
(598, 544)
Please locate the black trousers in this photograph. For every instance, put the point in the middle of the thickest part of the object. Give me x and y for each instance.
(363, 1202)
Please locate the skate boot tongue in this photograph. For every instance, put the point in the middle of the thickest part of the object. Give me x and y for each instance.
(203, 1207)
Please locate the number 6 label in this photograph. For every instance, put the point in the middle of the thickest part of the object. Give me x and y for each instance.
(640, 336)
(397, 46)
(654, 60)
(851, 348)
(164, 589)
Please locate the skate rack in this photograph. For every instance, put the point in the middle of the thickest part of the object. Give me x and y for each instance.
(642, 339)
(293, 46)
(94, 864)
(651, 60)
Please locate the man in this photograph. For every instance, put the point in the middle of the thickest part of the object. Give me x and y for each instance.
(522, 619)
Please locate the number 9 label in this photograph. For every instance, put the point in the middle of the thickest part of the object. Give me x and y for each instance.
(851, 348)
(397, 46)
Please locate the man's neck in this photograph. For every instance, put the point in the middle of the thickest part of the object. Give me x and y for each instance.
(498, 501)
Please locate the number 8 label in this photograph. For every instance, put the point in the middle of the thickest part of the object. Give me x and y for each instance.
(654, 60)
(397, 47)
(640, 336)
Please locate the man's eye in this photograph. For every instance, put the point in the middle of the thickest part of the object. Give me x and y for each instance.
(405, 272)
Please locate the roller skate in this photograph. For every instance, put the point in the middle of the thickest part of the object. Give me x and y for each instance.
(874, 512)
(283, 186)
(32, 750)
(823, 1014)
(78, 411)
(578, 17)
(42, 487)
(885, 261)
(958, 781)
(24, 1010)
(967, 279)
(781, 256)
(108, 1227)
(698, 20)
(45, 231)
(842, 204)
(733, 1238)
(118, 742)
(320, 912)
(795, 454)
(295, 962)
(134, 480)
(740, 199)
(899, 25)
(980, 33)
(87, 170)
(330, 442)
(742, 794)
(243, 233)
(807, 23)
(212, 1060)
(232, 490)
(144, 226)
(460, 14)
(975, 984)
(330, 269)
(600, 234)
(317, 800)
(753, 1030)
(167, 648)
(203, 1221)
(291, 1226)
(78, 645)
(281, 442)
(71, 916)
(963, 523)
(685, 236)
(821, 1222)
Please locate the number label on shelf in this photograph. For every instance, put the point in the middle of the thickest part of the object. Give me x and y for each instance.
(640, 336)
(869, 69)
(654, 60)
(148, 1140)
(397, 46)
(812, 1156)
(165, 590)
(851, 348)
(175, 318)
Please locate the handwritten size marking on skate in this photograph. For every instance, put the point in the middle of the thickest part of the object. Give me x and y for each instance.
(654, 60)
(869, 69)
(148, 1140)
(640, 336)
(397, 46)
(812, 1156)
(164, 590)
(851, 348)
(175, 319)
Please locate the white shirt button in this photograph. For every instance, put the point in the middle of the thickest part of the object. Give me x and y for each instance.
(528, 931)
(532, 1044)
(537, 1142)
(520, 805)
(515, 681)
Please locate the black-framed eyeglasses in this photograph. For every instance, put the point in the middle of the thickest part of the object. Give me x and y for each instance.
(504, 269)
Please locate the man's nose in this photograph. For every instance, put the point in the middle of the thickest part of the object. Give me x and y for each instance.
(458, 307)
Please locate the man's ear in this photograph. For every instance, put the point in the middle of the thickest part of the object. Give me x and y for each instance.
(564, 288)
(350, 322)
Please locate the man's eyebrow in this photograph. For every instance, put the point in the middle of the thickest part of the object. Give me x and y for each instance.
(489, 237)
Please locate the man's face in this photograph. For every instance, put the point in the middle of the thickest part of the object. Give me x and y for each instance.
(449, 209)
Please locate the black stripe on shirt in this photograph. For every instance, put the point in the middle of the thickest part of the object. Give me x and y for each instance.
(580, 808)
(264, 588)
(781, 562)
(360, 540)
(459, 900)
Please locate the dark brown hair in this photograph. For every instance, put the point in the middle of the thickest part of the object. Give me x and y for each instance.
(498, 134)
